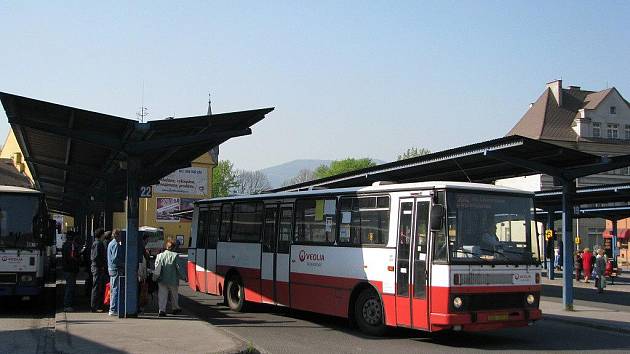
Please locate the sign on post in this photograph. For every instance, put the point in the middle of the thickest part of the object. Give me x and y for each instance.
(146, 192)
(548, 234)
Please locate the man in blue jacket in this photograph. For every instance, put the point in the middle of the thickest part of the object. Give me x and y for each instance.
(115, 267)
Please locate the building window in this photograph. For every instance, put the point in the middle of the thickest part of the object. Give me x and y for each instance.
(613, 110)
(596, 129)
(613, 131)
(627, 131)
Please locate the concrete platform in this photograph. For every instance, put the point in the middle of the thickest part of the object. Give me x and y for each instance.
(86, 332)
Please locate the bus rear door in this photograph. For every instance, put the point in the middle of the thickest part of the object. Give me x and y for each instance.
(411, 261)
(275, 254)
(212, 237)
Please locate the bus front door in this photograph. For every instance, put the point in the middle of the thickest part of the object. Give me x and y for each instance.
(275, 254)
(411, 261)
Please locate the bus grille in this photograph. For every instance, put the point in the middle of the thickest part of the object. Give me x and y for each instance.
(8, 278)
(496, 301)
(485, 278)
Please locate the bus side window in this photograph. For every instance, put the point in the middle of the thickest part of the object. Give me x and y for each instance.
(440, 241)
(226, 222)
(202, 228)
(286, 220)
(213, 227)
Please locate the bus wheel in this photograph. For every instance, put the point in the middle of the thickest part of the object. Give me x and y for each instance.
(368, 313)
(235, 294)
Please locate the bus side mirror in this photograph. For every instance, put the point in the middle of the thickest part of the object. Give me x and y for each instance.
(436, 217)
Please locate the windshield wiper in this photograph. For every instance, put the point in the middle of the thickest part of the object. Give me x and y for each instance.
(497, 251)
(473, 254)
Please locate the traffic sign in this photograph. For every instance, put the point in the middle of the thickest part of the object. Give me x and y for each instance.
(548, 234)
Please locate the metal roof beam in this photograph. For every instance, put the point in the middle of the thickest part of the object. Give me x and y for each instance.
(146, 146)
(532, 165)
(606, 164)
(87, 136)
(78, 169)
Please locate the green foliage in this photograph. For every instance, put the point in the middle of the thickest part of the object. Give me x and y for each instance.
(413, 152)
(223, 179)
(342, 166)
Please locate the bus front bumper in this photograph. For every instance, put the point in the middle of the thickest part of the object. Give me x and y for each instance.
(484, 320)
(19, 290)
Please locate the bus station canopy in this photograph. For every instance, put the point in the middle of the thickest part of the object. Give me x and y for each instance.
(483, 162)
(603, 194)
(75, 154)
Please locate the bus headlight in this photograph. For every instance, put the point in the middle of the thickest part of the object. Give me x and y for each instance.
(26, 278)
(457, 302)
(531, 299)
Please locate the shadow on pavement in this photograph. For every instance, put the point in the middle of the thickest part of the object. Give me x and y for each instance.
(609, 295)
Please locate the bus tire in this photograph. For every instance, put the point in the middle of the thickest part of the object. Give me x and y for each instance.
(368, 313)
(235, 294)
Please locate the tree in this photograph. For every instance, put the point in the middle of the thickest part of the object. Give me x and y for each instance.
(304, 175)
(248, 182)
(342, 166)
(413, 152)
(223, 179)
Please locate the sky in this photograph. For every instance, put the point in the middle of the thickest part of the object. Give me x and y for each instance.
(346, 78)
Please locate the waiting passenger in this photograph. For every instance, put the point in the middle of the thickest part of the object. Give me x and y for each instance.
(70, 262)
(167, 274)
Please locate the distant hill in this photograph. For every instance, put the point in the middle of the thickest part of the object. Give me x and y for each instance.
(280, 173)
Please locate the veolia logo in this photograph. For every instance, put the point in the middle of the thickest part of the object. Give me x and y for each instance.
(304, 256)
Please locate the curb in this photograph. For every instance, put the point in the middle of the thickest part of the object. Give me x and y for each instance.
(589, 324)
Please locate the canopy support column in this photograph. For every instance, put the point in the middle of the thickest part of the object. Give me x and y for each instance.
(549, 247)
(134, 166)
(568, 190)
(614, 240)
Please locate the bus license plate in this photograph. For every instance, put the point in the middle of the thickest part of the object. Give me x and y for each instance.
(498, 317)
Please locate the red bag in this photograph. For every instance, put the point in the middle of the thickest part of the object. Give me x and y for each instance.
(107, 294)
(609, 269)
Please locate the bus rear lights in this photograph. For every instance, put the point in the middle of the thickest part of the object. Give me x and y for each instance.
(537, 278)
(531, 299)
(457, 279)
(26, 278)
(457, 302)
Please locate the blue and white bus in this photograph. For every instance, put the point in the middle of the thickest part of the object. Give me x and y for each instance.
(25, 241)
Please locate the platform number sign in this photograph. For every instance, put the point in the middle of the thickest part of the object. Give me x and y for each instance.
(146, 191)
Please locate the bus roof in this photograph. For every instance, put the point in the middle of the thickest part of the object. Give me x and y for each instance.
(14, 189)
(380, 187)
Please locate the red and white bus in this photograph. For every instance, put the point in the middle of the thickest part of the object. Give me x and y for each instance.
(428, 256)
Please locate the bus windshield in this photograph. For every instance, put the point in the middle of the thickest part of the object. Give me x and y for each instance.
(491, 228)
(18, 219)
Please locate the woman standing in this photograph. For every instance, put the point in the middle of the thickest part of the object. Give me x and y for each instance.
(600, 269)
(578, 265)
(587, 264)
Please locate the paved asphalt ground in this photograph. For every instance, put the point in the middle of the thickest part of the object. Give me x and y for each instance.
(27, 327)
(285, 331)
